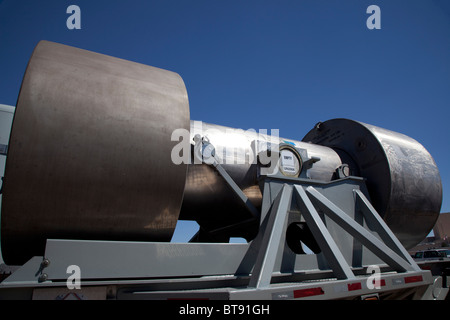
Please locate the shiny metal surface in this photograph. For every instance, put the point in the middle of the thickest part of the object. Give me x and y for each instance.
(402, 177)
(89, 155)
(207, 198)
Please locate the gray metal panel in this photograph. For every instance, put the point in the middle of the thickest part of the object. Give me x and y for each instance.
(6, 119)
(90, 152)
(119, 260)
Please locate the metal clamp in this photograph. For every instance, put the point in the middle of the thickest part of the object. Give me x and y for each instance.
(205, 151)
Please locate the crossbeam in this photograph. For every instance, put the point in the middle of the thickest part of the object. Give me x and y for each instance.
(361, 234)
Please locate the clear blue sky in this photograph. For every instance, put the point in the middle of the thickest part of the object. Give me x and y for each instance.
(267, 64)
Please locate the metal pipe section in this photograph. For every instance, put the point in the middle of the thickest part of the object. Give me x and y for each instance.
(208, 199)
(90, 152)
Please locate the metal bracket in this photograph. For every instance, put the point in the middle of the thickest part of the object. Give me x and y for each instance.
(205, 152)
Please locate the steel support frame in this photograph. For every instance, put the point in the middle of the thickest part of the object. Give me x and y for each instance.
(307, 199)
(251, 266)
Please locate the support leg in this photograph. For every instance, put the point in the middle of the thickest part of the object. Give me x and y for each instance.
(272, 236)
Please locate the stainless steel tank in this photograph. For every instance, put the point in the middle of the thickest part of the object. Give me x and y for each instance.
(402, 178)
(89, 153)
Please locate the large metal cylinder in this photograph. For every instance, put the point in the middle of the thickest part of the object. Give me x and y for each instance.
(89, 153)
(402, 178)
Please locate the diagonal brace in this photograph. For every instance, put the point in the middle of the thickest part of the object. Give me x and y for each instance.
(324, 239)
(372, 217)
(360, 233)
